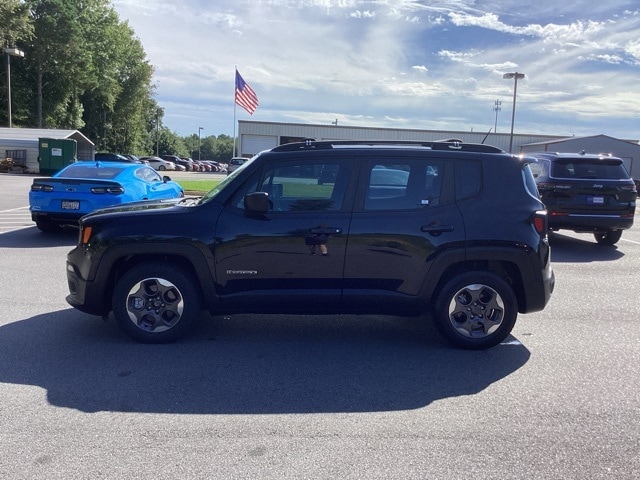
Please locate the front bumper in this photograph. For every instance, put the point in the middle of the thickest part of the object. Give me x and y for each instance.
(87, 294)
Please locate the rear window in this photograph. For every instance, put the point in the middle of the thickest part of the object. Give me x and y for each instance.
(90, 171)
(606, 169)
(400, 186)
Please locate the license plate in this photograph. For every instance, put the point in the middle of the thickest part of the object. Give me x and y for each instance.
(70, 205)
(595, 200)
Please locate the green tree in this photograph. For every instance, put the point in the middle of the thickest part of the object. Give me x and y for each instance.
(87, 71)
(117, 106)
(16, 28)
(15, 23)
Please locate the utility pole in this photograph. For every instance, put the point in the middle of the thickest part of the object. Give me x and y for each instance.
(496, 108)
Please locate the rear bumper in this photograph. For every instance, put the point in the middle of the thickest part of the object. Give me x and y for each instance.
(590, 222)
(59, 218)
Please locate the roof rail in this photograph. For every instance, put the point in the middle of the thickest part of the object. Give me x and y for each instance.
(452, 144)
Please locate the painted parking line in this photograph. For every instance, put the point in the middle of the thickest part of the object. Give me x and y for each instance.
(630, 241)
(15, 219)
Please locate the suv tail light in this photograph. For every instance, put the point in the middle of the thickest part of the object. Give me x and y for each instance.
(541, 222)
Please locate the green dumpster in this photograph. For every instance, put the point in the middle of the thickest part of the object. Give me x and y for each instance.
(55, 154)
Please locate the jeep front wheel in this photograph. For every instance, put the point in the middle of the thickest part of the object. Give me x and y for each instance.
(475, 310)
(155, 303)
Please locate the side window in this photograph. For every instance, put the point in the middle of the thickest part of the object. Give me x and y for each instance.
(148, 175)
(538, 168)
(300, 186)
(468, 179)
(415, 184)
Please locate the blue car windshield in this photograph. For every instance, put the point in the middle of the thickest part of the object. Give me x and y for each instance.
(90, 171)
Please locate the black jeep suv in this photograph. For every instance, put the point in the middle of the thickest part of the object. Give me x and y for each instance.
(445, 228)
(586, 193)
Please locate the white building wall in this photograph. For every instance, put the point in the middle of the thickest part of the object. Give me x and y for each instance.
(276, 132)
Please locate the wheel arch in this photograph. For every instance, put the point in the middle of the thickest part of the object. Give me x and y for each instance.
(507, 268)
(188, 258)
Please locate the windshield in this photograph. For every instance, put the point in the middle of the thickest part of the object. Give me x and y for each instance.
(218, 188)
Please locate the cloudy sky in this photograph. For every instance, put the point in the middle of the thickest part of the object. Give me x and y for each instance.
(418, 64)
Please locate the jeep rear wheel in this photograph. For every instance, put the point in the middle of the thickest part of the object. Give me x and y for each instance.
(156, 303)
(475, 310)
(610, 237)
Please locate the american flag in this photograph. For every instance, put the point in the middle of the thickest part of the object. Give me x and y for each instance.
(245, 96)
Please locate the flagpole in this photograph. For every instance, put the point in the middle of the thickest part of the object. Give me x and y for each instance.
(234, 110)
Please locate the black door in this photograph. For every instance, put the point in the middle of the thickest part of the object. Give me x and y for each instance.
(404, 214)
(285, 258)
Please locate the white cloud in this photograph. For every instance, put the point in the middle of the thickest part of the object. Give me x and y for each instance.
(365, 61)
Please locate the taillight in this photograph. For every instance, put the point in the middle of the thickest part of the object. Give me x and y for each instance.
(38, 187)
(553, 186)
(540, 222)
(111, 190)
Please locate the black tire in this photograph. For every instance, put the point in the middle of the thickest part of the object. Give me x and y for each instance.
(156, 303)
(475, 310)
(162, 167)
(47, 226)
(610, 237)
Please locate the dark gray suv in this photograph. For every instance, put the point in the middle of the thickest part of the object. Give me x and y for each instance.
(586, 193)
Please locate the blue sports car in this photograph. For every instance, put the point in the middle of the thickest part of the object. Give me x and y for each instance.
(83, 187)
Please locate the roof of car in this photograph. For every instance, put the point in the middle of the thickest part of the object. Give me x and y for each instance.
(448, 144)
(566, 155)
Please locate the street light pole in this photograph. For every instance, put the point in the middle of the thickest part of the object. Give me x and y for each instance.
(515, 76)
(199, 144)
(11, 52)
(157, 132)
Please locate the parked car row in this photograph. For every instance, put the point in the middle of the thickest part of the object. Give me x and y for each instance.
(160, 164)
(191, 165)
(166, 162)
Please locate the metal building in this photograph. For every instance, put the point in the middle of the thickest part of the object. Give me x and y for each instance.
(628, 150)
(22, 144)
(253, 137)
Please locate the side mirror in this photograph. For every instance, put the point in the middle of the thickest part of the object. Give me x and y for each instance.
(257, 203)
(166, 178)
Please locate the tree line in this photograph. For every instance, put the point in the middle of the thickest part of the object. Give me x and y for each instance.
(84, 69)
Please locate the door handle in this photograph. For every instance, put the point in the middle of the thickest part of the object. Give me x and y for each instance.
(435, 229)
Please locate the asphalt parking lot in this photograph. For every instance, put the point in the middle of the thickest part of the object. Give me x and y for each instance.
(275, 397)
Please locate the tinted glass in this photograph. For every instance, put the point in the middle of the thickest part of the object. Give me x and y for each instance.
(400, 186)
(589, 169)
(148, 174)
(90, 171)
(300, 186)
